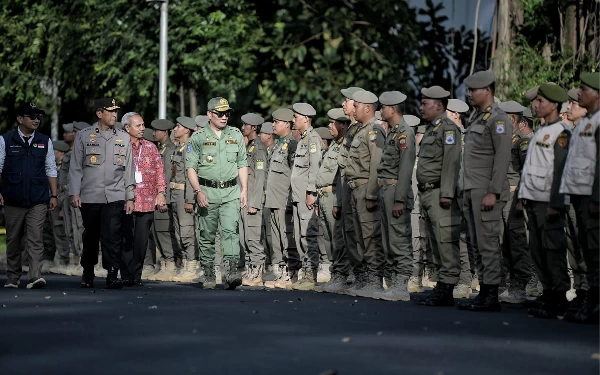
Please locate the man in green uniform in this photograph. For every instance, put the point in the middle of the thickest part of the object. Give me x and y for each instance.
(437, 175)
(164, 232)
(486, 160)
(328, 189)
(516, 258)
(278, 199)
(396, 197)
(361, 171)
(545, 205)
(307, 161)
(216, 158)
(251, 217)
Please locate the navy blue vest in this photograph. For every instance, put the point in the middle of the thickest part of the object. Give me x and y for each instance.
(24, 180)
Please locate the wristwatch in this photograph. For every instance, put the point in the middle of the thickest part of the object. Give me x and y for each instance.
(197, 191)
(54, 196)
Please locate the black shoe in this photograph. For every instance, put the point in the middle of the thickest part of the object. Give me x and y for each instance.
(589, 311)
(128, 282)
(441, 296)
(555, 305)
(86, 282)
(138, 281)
(112, 280)
(538, 302)
(487, 300)
(578, 301)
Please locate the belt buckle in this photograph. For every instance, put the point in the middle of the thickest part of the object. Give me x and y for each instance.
(221, 184)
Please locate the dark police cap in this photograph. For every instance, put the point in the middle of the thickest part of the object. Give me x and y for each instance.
(109, 104)
(29, 108)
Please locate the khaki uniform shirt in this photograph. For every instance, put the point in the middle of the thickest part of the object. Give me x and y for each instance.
(278, 190)
(306, 165)
(439, 155)
(257, 172)
(518, 153)
(329, 172)
(63, 172)
(101, 169)
(177, 171)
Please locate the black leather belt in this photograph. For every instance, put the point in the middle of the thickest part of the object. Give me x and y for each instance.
(428, 186)
(218, 184)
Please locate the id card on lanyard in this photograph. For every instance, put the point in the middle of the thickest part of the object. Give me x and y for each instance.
(138, 174)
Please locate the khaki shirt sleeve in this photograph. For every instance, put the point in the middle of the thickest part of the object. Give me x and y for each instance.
(561, 149)
(76, 166)
(315, 162)
(502, 145)
(129, 176)
(242, 159)
(256, 192)
(596, 186)
(376, 150)
(405, 167)
(450, 162)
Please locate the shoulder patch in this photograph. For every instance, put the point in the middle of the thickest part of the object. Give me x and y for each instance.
(188, 149)
(372, 135)
(251, 148)
(313, 148)
(260, 165)
(450, 137)
(524, 146)
(563, 140)
(500, 128)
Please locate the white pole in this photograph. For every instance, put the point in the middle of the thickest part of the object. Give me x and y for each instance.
(162, 75)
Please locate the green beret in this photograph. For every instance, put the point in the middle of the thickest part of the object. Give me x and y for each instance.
(61, 146)
(480, 80)
(349, 92)
(218, 104)
(68, 128)
(365, 97)
(162, 124)
(391, 98)
(457, 105)
(533, 92)
(553, 93)
(304, 109)
(591, 80)
(324, 133)
(266, 128)
(435, 92)
(412, 120)
(252, 119)
(149, 134)
(201, 120)
(338, 115)
(80, 125)
(573, 94)
(511, 107)
(283, 114)
(186, 122)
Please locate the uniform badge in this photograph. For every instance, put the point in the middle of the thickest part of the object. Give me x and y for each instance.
(34, 145)
(209, 159)
(92, 140)
(93, 159)
(372, 136)
(313, 148)
(284, 147)
(119, 159)
(41, 145)
(546, 137)
(188, 149)
(588, 127)
(500, 128)
(93, 150)
(121, 152)
(515, 139)
(486, 116)
(449, 137)
(251, 148)
(562, 140)
(260, 165)
(119, 140)
(524, 145)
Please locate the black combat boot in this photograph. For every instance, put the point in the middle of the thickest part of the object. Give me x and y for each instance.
(440, 296)
(233, 278)
(112, 279)
(487, 300)
(589, 311)
(87, 280)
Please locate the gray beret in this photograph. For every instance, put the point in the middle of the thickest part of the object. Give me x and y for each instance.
(267, 128)
(80, 125)
(61, 146)
(350, 91)
(412, 120)
(304, 109)
(527, 113)
(149, 134)
(283, 114)
(338, 115)
(435, 92)
(392, 98)
(252, 119)
(201, 120)
(480, 80)
(118, 125)
(573, 95)
(186, 122)
(162, 124)
(457, 105)
(365, 97)
(68, 128)
(511, 107)
(324, 133)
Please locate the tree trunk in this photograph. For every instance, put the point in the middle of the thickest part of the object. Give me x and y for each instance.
(193, 104)
(569, 32)
(510, 20)
(181, 100)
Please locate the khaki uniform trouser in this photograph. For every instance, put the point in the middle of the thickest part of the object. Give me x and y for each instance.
(516, 257)
(587, 233)
(184, 224)
(575, 245)
(350, 251)
(467, 254)
(326, 221)
(55, 238)
(306, 232)
(548, 244)
(282, 234)
(368, 231)
(77, 229)
(163, 229)
(251, 245)
(267, 240)
(27, 223)
(443, 229)
(339, 260)
(396, 235)
(422, 253)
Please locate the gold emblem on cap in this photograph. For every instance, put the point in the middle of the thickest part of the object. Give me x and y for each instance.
(223, 101)
(93, 159)
(114, 103)
(209, 159)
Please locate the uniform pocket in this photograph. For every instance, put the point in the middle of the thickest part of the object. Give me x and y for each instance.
(554, 236)
(449, 229)
(40, 189)
(537, 178)
(93, 156)
(119, 159)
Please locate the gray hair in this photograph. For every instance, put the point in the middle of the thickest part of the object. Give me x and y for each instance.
(127, 117)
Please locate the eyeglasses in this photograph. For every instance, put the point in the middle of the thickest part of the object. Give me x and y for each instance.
(221, 113)
(34, 117)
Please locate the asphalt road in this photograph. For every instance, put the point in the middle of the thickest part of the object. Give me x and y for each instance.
(166, 328)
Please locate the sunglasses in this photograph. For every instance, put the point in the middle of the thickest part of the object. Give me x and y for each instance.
(221, 113)
(34, 117)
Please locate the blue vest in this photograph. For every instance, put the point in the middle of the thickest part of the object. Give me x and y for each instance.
(24, 180)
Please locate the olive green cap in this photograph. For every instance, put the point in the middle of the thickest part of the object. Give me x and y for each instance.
(533, 92)
(338, 115)
(434, 92)
(68, 128)
(266, 128)
(365, 97)
(457, 105)
(324, 133)
(61, 146)
(304, 109)
(349, 92)
(186, 122)
(149, 134)
(591, 80)
(80, 125)
(201, 120)
(218, 104)
(162, 124)
(252, 119)
(412, 120)
(283, 114)
(573, 95)
(553, 93)
(480, 80)
(391, 98)
(527, 113)
(511, 107)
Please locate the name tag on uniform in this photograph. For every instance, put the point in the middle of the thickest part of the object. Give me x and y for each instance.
(231, 142)
(210, 143)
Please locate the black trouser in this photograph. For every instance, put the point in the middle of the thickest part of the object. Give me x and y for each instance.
(101, 222)
(135, 230)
